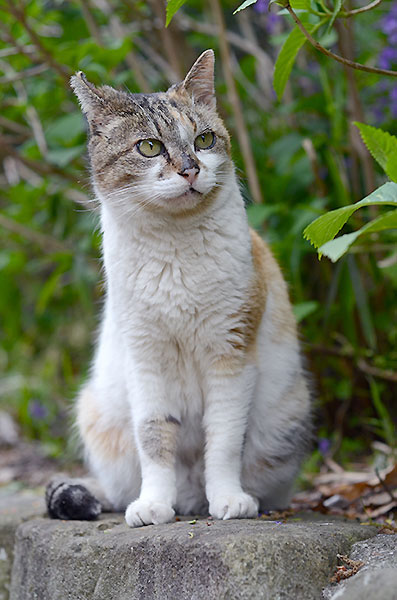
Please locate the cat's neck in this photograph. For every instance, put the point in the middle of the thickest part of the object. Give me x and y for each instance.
(222, 215)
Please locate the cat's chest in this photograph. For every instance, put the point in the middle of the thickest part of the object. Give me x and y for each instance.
(180, 283)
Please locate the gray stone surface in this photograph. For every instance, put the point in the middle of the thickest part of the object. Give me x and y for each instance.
(247, 559)
(377, 578)
(14, 510)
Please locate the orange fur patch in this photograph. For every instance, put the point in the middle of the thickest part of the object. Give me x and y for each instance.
(243, 335)
(110, 442)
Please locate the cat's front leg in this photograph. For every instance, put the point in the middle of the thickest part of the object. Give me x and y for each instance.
(228, 402)
(156, 430)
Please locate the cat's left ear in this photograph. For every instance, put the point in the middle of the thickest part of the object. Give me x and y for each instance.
(199, 82)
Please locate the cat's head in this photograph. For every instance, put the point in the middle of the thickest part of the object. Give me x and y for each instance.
(167, 152)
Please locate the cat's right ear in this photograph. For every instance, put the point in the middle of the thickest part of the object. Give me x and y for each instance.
(90, 98)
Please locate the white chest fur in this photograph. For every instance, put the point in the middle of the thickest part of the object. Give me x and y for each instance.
(179, 274)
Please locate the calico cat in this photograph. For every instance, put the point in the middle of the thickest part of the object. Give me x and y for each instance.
(196, 400)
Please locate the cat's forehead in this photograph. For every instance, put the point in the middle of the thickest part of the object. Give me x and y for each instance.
(168, 114)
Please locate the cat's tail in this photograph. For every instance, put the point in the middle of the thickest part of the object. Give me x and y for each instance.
(69, 498)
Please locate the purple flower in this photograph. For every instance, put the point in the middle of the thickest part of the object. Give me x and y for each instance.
(261, 6)
(324, 445)
(393, 38)
(272, 22)
(388, 57)
(389, 25)
(37, 410)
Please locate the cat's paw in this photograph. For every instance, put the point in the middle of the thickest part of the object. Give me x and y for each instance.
(234, 506)
(146, 512)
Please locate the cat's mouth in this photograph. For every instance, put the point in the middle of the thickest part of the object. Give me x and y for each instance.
(190, 191)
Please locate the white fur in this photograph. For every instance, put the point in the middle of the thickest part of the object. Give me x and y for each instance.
(172, 284)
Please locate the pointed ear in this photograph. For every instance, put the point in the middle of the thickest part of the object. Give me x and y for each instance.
(90, 98)
(199, 82)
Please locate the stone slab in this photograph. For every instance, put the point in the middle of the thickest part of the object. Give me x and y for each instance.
(222, 560)
(377, 578)
(14, 510)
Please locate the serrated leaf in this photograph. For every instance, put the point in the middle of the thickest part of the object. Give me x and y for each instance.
(172, 7)
(287, 55)
(244, 5)
(326, 227)
(336, 248)
(383, 147)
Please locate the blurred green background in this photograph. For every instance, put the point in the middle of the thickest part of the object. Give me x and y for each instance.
(306, 155)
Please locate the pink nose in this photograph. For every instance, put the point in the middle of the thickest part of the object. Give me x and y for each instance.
(190, 174)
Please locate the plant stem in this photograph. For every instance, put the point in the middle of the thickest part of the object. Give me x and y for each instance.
(358, 11)
(340, 59)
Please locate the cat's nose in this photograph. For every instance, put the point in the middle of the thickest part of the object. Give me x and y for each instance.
(190, 174)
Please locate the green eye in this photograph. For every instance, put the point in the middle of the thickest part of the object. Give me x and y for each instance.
(149, 148)
(204, 141)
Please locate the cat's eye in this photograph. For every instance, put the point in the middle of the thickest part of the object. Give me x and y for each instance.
(149, 148)
(205, 141)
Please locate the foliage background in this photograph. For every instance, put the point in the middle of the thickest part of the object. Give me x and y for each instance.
(306, 155)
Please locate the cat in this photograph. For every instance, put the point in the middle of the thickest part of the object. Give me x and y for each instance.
(197, 400)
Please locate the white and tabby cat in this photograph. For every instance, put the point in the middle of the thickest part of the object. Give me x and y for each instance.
(196, 400)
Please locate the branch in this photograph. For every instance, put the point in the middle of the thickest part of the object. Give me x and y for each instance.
(360, 363)
(36, 70)
(358, 11)
(387, 374)
(14, 126)
(340, 59)
(41, 239)
(21, 17)
(12, 51)
(187, 23)
(234, 99)
(167, 36)
(384, 485)
(118, 30)
(35, 165)
(90, 22)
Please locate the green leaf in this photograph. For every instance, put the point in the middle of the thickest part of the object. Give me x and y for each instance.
(334, 249)
(304, 309)
(361, 299)
(63, 156)
(326, 227)
(258, 213)
(244, 5)
(387, 424)
(287, 55)
(172, 7)
(382, 146)
(66, 128)
(300, 4)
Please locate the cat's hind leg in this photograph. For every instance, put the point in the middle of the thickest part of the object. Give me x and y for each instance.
(110, 451)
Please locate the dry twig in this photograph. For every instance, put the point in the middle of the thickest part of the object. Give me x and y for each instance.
(234, 100)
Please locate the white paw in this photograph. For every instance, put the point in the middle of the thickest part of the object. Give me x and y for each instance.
(146, 512)
(234, 506)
